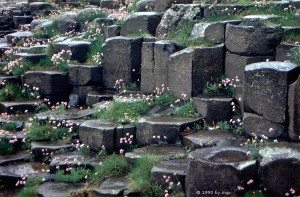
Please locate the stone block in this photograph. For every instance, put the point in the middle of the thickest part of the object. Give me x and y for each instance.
(82, 92)
(113, 186)
(219, 170)
(39, 6)
(266, 89)
(48, 82)
(169, 127)
(96, 97)
(235, 64)
(279, 170)
(294, 111)
(252, 40)
(256, 125)
(79, 49)
(22, 20)
(176, 17)
(14, 107)
(13, 38)
(163, 5)
(145, 22)
(148, 65)
(283, 50)
(122, 60)
(112, 31)
(145, 5)
(214, 108)
(189, 70)
(96, 133)
(85, 75)
(34, 58)
(68, 22)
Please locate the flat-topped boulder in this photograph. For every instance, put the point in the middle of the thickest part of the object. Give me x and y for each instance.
(21, 20)
(82, 92)
(279, 169)
(9, 79)
(163, 152)
(50, 189)
(34, 58)
(70, 114)
(13, 107)
(38, 6)
(284, 49)
(113, 186)
(44, 149)
(85, 75)
(48, 82)
(176, 17)
(122, 60)
(145, 22)
(68, 22)
(163, 5)
(18, 157)
(205, 139)
(13, 38)
(214, 108)
(128, 98)
(79, 49)
(73, 159)
(259, 18)
(145, 5)
(95, 97)
(219, 169)
(252, 40)
(265, 88)
(294, 110)
(175, 169)
(168, 128)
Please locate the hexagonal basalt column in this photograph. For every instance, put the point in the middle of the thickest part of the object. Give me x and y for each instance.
(218, 170)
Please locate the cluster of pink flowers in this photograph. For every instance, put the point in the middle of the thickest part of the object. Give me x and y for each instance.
(171, 184)
(22, 181)
(229, 82)
(61, 57)
(14, 140)
(12, 64)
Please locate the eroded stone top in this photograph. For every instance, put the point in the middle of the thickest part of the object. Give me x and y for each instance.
(278, 66)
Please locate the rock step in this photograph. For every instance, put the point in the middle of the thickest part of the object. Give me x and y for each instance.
(73, 159)
(14, 158)
(11, 174)
(34, 58)
(168, 129)
(205, 139)
(114, 186)
(70, 114)
(50, 189)
(9, 79)
(95, 97)
(42, 150)
(96, 133)
(164, 152)
(175, 169)
(13, 38)
(15, 107)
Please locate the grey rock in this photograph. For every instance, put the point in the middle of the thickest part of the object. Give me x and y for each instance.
(258, 19)
(10, 159)
(145, 5)
(68, 22)
(48, 82)
(79, 49)
(71, 114)
(38, 6)
(112, 31)
(283, 50)
(218, 169)
(113, 186)
(22, 20)
(12, 107)
(85, 75)
(95, 97)
(109, 4)
(122, 60)
(170, 127)
(235, 64)
(276, 177)
(265, 88)
(190, 69)
(96, 133)
(34, 58)
(256, 125)
(50, 189)
(264, 39)
(13, 38)
(216, 9)
(145, 22)
(214, 108)
(175, 169)
(163, 5)
(205, 139)
(294, 111)
(43, 149)
(73, 100)
(148, 64)
(82, 92)
(176, 17)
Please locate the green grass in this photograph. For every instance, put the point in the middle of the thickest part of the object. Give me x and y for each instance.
(27, 66)
(6, 147)
(90, 15)
(36, 50)
(186, 110)
(291, 37)
(139, 176)
(30, 189)
(94, 55)
(9, 126)
(116, 111)
(164, 99)
(74, 176)
(113, 166)
(12, 92)
(43, 132)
